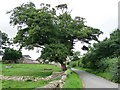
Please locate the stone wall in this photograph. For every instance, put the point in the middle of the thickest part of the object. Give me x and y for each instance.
(52, 85)
(55, 84)
(31, 78)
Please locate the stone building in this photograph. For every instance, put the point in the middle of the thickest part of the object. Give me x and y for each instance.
(28, 59)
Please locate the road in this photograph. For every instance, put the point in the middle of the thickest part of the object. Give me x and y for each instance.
(93, 81)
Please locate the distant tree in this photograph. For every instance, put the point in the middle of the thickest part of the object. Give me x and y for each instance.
(11, 55)
(76, 55)
(47, 26)
(4, 40)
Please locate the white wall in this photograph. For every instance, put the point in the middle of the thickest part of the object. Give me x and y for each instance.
(0, 57)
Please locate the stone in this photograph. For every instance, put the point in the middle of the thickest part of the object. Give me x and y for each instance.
(64, 77)
(8, 66)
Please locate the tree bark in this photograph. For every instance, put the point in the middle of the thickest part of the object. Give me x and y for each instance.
(63, 66)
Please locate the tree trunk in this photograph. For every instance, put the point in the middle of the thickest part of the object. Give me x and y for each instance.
(63, 66)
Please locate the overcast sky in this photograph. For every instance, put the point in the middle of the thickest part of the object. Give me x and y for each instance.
(101, 14)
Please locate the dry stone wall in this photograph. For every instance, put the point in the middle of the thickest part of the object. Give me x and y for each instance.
(31, 78)
(56, 84)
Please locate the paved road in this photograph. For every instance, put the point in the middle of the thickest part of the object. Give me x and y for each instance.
(93, 81)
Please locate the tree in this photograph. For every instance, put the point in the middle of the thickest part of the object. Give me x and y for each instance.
(76, 56)
(48, 26)
(11, 55)
(4, 39)
(115, 39)
(55, 52)
(109, 47)
(4, 42)
(0, 37)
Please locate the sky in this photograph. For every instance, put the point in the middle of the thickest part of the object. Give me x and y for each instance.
(101, 14)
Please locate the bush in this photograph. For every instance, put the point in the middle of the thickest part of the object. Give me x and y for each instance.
(73, 64)
(116, 71)
(80, 64)
(104, 64)
(112, 66)
(11, 55)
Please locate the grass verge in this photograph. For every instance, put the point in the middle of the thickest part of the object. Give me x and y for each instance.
(73, 80)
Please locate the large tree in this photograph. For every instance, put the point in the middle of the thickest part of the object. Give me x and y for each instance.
(52, 28)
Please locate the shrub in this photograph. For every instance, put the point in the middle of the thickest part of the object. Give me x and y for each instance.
(80, 64)
(116, 71)
(73, 64)
(103, 64)
(112, 66)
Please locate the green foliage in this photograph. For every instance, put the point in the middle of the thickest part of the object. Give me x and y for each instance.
(4, 38)
(11, 55)
(4, 41)
(47, 26)
(111, 45)
(55, 52)
(107, 64)
(73, 64)
(77, 63)
(116, 72)
(76, 56)
(107, 68)
(106, 48)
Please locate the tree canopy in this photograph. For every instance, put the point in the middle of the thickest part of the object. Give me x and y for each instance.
(46, 26)
(11, 55)
(4, 39)
(109, 47)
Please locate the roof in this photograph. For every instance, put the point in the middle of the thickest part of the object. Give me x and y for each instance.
(27, 56)
(1, 52)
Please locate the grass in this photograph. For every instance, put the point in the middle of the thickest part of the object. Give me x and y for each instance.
(73, 80)
(0, 84)
(23, 84)
(0, 68)
(0, 74)
(105, 75)
(36, 70)
(87, 69)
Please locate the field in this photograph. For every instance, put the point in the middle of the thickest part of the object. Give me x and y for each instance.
(35, 70)
(23, 84)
